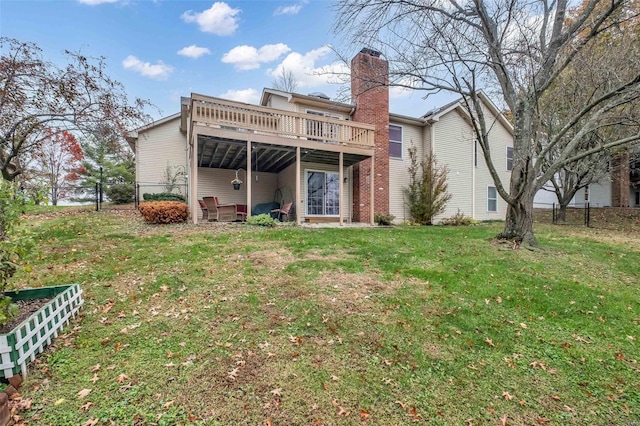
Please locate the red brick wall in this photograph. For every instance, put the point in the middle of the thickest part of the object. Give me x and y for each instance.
(620, 180)
(370, 91)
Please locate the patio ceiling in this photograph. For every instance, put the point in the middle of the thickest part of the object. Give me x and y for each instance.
(232, 154)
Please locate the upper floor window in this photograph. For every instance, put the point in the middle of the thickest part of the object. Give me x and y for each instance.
(509, 158)
(395, 141)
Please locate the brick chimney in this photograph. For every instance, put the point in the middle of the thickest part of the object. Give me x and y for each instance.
(620, 181)
(370, 92)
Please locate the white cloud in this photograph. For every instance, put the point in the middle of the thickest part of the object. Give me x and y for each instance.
(194, 51)
(96, 2)
(308, 73)
(159, 71)
(249, 58)
(220, 19)
(288, 10)
(249, 96)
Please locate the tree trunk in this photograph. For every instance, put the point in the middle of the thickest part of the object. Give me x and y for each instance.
(519, 223)
(562, 213)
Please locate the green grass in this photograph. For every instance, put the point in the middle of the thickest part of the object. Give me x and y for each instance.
(244, 325)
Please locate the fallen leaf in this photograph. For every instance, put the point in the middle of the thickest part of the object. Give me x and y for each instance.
(506, 395)
(490, 343)
(233, 374)
(90, 422)
(542, 421)
(335, 378)
(95, 378)
(277, 392)
(86, 405)
(364, 416)
(342, 411)
(58, 402)
(401, 404)
(167, 404)
(121, 378)
(95, 368)
(83, 393)
(414, 414)
(504, 420)
(111, 367)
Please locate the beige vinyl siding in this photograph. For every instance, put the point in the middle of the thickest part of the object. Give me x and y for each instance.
(499, 139)
(453, 146)
(398, 173)
(281, 102)
(155, 149)
(599, 194)
(217, 183)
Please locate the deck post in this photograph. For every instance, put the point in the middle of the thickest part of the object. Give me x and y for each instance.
(341, 183)
(298, 198)
(193, 178)
(249, 177)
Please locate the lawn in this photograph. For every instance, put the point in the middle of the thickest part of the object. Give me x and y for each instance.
(234, 325)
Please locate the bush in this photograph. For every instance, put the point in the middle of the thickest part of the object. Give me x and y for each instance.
(121, 194)
(164, 196)
(458, 219)
(15, 244)
(164, 212)
(383, 219)
(262, 220)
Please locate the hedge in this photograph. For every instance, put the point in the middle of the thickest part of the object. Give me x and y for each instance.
(164, 211)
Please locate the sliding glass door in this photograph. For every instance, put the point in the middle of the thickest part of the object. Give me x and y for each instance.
(323, 193)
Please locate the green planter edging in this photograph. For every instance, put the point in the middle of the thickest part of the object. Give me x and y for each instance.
(28, 339)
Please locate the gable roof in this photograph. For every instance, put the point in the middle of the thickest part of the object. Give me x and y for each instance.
(306, 99)
(437, 113)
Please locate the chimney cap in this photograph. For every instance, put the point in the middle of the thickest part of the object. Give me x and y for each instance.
(371, 52)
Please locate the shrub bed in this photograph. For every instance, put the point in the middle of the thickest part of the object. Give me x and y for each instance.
(163, 196)
(164, 212)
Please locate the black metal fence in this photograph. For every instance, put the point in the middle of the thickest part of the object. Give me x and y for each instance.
(586, 215)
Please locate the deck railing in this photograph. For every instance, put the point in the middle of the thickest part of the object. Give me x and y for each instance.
(287, 124)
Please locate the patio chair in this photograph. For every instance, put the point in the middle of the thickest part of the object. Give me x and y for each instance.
(223, 212)
(241, 212)
(284, 211)
(205, 210)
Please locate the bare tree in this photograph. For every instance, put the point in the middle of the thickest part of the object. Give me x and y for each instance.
(36, 94)
(516, 51)
(285, 81)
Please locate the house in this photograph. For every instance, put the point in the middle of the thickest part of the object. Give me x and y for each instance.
(621, 188)
(339, 162)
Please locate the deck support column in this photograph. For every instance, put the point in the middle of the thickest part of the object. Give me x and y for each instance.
(249, 176)
(341, 185)
(193, 178)
(298, 198)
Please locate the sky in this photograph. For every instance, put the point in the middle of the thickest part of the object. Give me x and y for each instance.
(161, 50)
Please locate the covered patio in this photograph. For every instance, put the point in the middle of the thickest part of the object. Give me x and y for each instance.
(269, 149)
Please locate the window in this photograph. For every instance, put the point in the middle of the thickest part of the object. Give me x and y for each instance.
(395, 141)
(475, 153)
(492, 199)
(509, 158)
(637, 198)
(323, 193)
